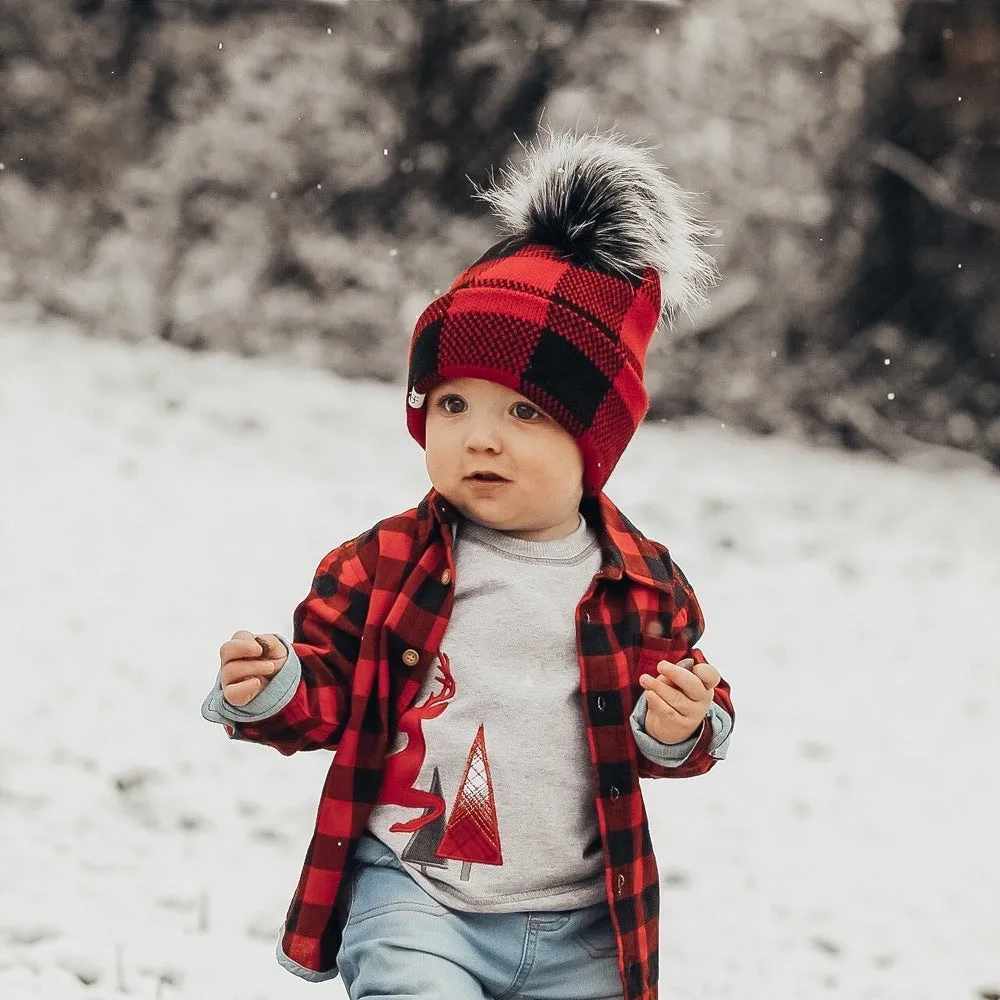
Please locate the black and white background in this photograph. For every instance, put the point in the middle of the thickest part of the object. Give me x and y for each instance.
(218, 221)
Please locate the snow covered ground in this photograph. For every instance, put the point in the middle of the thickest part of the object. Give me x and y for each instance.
(153, 501)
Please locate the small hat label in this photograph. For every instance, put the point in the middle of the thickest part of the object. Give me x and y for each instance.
(416, 399)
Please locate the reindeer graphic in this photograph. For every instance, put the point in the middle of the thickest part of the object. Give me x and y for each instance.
(402, 768)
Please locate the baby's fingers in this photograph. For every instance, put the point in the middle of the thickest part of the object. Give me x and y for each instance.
(242, 646)
(708, 675)
(681, 678)
(694, 680)
(242, 692)
(671, 697)
(240, 670)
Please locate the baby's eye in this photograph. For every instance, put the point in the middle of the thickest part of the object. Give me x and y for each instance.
(525, 411)
(451, 403)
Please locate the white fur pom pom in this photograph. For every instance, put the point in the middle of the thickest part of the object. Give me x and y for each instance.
(607, 204)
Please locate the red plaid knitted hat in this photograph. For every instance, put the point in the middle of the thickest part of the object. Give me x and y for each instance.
(599, 248)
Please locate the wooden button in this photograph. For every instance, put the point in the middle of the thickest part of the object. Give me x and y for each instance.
(446, 577)
(411, 657)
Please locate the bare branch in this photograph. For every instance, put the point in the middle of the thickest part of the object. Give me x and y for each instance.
(935, 188)
(880, 434)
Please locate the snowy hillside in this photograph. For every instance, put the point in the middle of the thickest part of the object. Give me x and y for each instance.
(153, 501)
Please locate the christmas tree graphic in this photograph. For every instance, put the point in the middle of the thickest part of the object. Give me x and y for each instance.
(420, 848)
(472, 833)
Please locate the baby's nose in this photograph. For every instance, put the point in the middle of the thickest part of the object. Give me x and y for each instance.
(483, 437)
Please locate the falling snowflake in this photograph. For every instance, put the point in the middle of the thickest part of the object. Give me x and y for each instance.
(890, 395)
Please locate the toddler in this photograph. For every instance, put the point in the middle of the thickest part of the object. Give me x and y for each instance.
(497, 667)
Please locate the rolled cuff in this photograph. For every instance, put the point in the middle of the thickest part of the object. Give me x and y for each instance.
(277, 693)
(675, 754)
(290, 965)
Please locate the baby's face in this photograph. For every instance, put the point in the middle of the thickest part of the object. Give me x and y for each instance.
(502, 461)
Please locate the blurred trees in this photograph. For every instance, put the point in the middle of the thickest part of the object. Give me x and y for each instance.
(927, 291)
(755, 104)
(295, 177)
(291, 178)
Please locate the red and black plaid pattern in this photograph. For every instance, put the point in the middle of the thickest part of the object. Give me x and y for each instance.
(381, 598)
(571, 339)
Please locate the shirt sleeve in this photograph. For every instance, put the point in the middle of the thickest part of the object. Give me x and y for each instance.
(705, 748)
(306, 705)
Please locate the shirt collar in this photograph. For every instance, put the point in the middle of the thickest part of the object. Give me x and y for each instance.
(625, 550)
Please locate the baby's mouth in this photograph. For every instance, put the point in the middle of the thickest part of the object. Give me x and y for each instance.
(487, 477)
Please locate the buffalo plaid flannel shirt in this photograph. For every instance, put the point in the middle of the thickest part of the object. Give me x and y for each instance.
(366, 635)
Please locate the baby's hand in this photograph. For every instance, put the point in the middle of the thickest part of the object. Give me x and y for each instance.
(678, 699)
(248, 663)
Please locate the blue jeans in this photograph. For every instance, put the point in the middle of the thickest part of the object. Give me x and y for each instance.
(400, 942)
